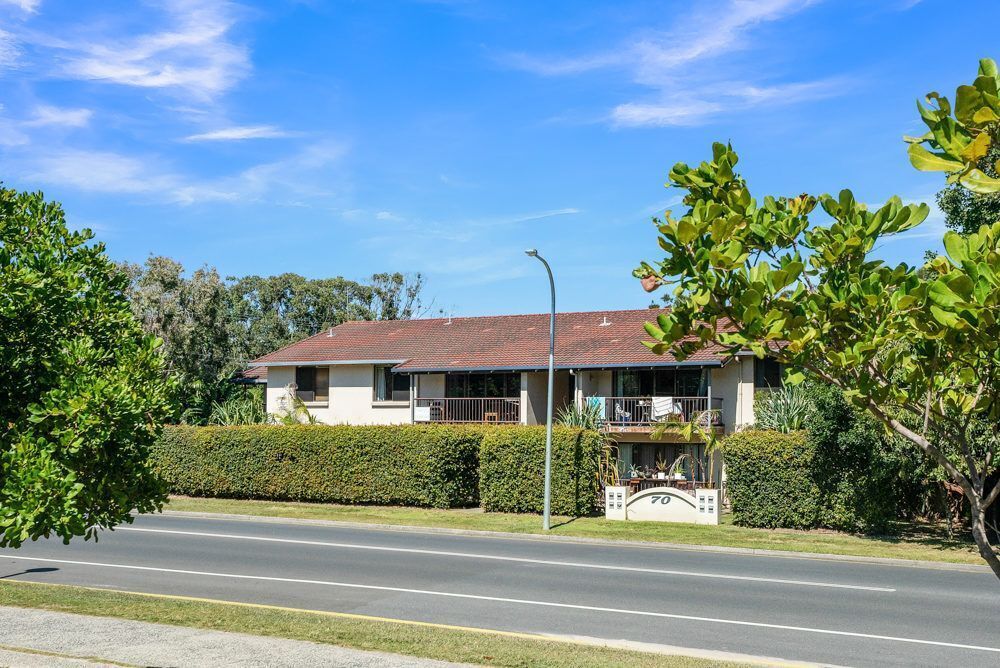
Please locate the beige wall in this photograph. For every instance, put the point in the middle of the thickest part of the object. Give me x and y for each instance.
(733, 383)
(351, 397)
(430, 385)
(591, 383)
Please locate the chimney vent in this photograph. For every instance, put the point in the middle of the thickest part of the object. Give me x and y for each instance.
(604, 322)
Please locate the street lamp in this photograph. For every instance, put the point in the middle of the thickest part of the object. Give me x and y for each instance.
(546, 513)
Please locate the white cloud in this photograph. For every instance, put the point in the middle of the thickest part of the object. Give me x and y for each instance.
(193, 53)
(239, 133)
(30, 6)
(388, 216)
(46, 115)
(669, 62)
(98, 171)
(9, 51)
(305, 173)
(683, 109)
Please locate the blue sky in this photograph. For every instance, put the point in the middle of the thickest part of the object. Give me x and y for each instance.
(346, 138)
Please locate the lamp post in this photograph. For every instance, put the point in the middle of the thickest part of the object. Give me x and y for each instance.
(547, 511)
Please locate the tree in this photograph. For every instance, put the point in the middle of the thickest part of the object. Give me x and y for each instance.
(191, 316)
(915, 347)
(966, 211)
(82, 390)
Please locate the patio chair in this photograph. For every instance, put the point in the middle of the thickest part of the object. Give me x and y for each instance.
(622, 415)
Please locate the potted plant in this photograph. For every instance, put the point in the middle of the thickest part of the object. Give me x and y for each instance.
(661, 468)
(677, 469)
(634, 471)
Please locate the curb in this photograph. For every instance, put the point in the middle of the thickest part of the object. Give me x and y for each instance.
(745, 551)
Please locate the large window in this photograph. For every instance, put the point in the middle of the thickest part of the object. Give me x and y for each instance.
(477, 385)
(660, 383)
(766, 373)
(391, 386)
(312, 383)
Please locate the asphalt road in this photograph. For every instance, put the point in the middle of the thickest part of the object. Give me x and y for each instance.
(798, 609)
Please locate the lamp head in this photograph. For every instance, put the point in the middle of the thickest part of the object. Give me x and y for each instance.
(531, 252)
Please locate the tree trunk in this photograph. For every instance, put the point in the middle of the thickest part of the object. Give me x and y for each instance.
(986, 550)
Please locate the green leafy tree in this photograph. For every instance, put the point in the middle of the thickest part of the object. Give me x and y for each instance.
(966, 211)
(82, 390)
(916, 348)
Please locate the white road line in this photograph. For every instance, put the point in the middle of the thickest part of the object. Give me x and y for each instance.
(523, 560)
(519, 601)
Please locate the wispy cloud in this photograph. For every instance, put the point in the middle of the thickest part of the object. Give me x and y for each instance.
(99, 171)
(669, 63)
(301, 174)
(46, 115)
(192, 54)
(30, 6)
(9, 51)
(240, 133)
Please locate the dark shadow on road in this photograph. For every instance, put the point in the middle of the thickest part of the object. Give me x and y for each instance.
(46, 569)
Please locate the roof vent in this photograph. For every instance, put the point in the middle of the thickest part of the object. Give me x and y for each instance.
(604, 322)
(329, 333)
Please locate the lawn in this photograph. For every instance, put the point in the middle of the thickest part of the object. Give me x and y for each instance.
(914, 541)
(355, 631)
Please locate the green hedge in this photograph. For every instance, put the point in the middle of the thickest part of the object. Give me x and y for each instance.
(417, 465)
(770, 481)
(826, 477)
(512, 467)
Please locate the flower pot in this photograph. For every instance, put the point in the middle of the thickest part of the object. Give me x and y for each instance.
(661, 476)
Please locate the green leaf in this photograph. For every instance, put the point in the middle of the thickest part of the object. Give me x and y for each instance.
(957, 247)
(926, 161)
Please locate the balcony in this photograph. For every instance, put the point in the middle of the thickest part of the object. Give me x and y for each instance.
(468, 410)
(643, 414)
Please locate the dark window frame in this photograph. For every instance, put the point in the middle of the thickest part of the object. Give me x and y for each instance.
(312, 384)
(388, 386)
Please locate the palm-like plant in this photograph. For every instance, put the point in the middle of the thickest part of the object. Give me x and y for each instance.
(245, 408)
(786, 409)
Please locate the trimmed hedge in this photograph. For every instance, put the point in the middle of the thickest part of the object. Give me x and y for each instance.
(769, 479)
(512, 469)
(828, 477)
(414, 465)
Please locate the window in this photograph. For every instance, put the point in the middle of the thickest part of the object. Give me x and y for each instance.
(660, 383)
(312, 383)
(391, 386)
(482, 385)
(766, 373)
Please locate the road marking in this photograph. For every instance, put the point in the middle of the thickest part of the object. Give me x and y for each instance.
(523, 560)
(517, 601)
(647, 648)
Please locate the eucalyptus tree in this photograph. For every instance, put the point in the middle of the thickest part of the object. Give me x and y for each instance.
(917, 347)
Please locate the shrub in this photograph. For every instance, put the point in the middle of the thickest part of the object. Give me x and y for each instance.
(785, 409)
(417, 465)
(247, 407)
(512, 468)
(769, 479)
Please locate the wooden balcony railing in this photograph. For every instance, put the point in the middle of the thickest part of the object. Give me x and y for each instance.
(500, 410)
(641, 411)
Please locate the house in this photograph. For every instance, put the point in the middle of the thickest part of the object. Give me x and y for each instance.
(493, 369)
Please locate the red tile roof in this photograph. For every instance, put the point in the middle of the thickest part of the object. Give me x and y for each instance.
(250, 376)
(583, 340)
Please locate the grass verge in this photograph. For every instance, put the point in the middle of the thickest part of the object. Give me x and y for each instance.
(914, 541)
(367, 633)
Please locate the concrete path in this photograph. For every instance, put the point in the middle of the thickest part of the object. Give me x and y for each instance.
(832, 612)
(101, 639)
